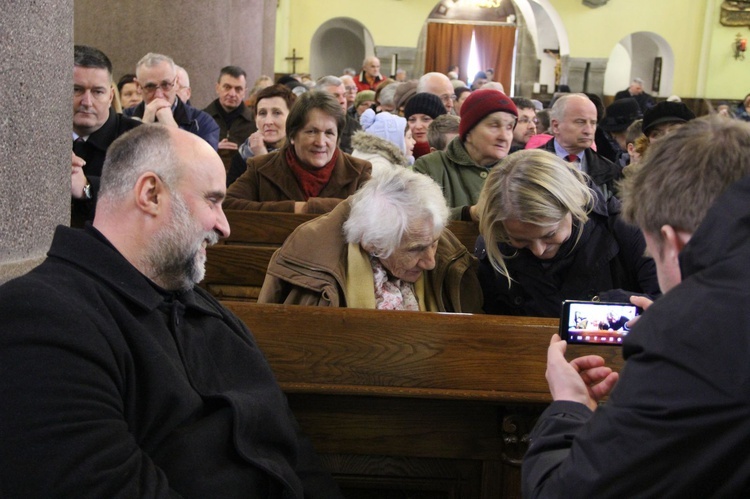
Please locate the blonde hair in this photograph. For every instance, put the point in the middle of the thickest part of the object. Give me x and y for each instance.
(531, 186)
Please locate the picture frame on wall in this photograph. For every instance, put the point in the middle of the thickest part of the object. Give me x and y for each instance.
(656, 83)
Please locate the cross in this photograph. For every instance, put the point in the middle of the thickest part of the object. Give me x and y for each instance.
(294, 60)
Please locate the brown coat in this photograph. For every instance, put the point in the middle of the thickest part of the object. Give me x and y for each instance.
(270, 185)
(310, 268)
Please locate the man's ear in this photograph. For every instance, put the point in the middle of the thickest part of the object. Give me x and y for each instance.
(150, 193)
(673, 240)
(553, 124)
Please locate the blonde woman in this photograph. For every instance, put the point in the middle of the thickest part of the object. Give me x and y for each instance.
(547, 237)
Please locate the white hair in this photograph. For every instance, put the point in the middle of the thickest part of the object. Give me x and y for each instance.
(386, 208)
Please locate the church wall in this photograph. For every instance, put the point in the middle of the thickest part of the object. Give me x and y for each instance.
(703, 68)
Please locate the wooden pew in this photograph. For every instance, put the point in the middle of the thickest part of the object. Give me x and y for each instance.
(412, 404)
(236, 267)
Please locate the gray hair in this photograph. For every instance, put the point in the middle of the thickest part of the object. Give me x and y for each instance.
(387, 96)
(387, 207)
(152, 59)
(147, 148)
(557, 111)
(328, 81)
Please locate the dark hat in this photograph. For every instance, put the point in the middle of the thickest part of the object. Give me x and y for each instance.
(620, 114)
(424, 103)
(666, 112)
(482, 103)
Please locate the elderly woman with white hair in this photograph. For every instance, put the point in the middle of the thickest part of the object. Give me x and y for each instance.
(385, 247)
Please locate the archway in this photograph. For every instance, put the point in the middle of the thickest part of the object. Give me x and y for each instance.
(643, 55)
(339, 43)
(539, 28)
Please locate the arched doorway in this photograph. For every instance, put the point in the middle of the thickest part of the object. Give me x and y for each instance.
(339, 43)
(542, 48)
(643, 55)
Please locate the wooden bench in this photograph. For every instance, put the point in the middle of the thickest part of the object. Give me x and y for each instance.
(236, 267)
(412, 404)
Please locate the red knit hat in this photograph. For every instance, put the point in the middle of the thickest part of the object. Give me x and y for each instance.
(479, 105)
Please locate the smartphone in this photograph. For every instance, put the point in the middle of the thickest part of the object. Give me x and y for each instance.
(596, 323)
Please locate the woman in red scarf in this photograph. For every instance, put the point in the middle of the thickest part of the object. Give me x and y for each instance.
(310, 174)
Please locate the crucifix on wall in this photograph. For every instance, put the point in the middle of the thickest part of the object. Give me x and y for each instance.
(558, 65)
(294, 60)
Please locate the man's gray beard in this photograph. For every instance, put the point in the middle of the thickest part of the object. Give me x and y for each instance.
(175, 258)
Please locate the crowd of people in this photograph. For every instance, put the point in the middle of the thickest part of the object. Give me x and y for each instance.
(121, 377)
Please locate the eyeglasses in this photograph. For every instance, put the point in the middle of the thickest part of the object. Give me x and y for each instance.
(165, 86)
(351, 88)
(447, 98)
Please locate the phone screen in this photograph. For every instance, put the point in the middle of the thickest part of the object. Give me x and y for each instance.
(599, 323)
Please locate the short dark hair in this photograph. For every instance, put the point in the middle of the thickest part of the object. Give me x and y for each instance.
(461, 90)
(277, 90)
(127, 78)
(314, 99)
(233, 71)
(89, 57)
(523, 103)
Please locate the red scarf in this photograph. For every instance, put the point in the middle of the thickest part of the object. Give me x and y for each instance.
(311, 179)
(421, 148)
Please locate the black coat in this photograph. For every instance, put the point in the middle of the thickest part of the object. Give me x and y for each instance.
(644, 100)
(678, 422)
(111, 387)
(93, 151)
(603, 173)
(607, 262)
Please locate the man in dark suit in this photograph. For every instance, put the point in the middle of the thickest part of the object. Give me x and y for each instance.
(95, 126)
(573, 121)
(635, 90)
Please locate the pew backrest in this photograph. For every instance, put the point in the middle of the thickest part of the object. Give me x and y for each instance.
(408, 354)
(236, 268)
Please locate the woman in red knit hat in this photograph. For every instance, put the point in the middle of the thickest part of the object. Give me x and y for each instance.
(484, 138)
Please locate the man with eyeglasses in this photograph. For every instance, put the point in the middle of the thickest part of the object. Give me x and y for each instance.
(350, 90)
(438, 84)
(95, 126)
(156, 74)
(526, 124)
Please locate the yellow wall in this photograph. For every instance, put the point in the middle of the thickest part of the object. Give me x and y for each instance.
(390, 22)
(704, 66)
(725, 77)
(595, 32)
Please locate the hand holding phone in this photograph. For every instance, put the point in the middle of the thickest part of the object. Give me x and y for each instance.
(597, 323)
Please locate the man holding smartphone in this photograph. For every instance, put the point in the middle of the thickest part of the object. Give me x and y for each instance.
(678, 422)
